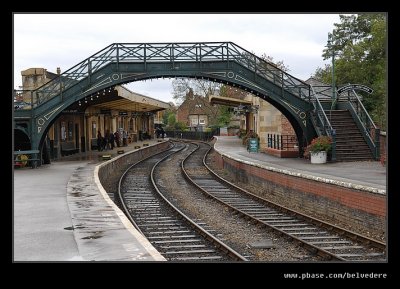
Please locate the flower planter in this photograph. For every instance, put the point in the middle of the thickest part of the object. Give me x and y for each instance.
(318, 157)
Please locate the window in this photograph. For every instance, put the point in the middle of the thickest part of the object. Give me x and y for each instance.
(94, 129)
(193, 120)
(202, 121)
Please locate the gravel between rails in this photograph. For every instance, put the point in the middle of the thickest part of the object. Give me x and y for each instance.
(231, 229)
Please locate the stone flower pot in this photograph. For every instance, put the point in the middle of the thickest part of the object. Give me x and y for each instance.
(318, 157)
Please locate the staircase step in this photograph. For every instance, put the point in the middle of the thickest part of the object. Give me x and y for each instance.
(348, 134)
(343, 123)
(350, 142)
(352, 153)
(347, 149)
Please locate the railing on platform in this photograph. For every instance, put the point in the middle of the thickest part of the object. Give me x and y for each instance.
(173, 53)
(282, 142)
(193, 135)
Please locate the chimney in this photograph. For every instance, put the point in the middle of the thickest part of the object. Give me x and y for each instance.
(58, 70)
(190, 94)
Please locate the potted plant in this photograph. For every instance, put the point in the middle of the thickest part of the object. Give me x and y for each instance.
(318, 149)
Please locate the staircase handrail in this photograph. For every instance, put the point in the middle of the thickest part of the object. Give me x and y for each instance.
(324, 121)
(364, 117)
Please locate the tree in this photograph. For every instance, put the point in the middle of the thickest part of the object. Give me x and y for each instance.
(182, 86)
(278, 64)
(171, 120)
(224, 116)
(360, 57)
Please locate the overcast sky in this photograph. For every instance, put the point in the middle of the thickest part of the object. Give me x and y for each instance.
(64, 40)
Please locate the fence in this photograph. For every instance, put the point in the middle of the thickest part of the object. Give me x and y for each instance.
(282, 142)
(194, 135)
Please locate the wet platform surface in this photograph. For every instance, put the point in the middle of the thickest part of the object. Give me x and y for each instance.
(366, 175)
(61, 214)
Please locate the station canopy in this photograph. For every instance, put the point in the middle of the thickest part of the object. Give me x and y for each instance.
(122, 99)
(229, 101)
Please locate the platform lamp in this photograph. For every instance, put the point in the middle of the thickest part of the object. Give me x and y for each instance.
(331, 46)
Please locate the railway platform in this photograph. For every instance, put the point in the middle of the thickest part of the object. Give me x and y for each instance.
(55, 222)
(365, 175)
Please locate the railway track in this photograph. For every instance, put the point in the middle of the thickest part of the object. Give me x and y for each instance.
(172, 233)
(324, 239)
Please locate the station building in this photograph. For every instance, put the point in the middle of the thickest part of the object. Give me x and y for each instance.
(276, 134)
(109, 110)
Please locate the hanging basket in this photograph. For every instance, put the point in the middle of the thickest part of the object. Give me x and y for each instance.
(318, 157)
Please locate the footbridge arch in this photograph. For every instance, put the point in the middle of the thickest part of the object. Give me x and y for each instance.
(121, 63)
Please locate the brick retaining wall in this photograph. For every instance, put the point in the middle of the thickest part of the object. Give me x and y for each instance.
(350, 206)
(116, 166)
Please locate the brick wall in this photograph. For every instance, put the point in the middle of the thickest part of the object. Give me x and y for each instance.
(286, 126)
(195, 105)
(383, 147)
(350, 206)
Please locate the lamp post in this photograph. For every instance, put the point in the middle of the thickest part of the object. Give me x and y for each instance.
(331, 45)
(333, 132)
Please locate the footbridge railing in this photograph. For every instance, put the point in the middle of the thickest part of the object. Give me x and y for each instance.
(173, 53)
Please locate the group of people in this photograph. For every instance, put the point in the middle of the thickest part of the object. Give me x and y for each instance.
(108, 141)
(160, 132)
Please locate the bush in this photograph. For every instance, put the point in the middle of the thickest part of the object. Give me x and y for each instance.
(241, 133)
(250, 134)
(319, 144)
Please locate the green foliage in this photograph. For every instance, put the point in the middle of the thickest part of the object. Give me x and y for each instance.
(249, 135)
(224, 116)
(180, 125)
(360, 58)
(319, 144)
(171, 120)
(241, 133)
(278, 64)
(166, 116)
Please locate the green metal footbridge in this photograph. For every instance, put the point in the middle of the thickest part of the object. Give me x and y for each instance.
(304, 106)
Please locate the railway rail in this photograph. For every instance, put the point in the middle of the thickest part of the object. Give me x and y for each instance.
(172, 233)
(322, 238)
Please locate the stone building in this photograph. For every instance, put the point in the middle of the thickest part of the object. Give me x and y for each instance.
(107, 111)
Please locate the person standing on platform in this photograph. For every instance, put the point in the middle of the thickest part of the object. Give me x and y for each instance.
(111, 140)
(99, 141)
(162, 132)
(105, 141)
(116, 136)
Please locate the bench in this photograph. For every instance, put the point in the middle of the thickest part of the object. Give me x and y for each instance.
(106, 157)
(31, 155)
(67, 148)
